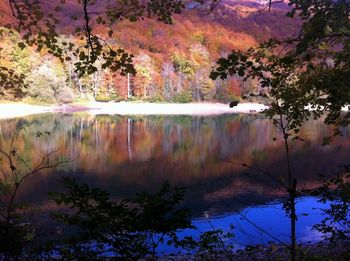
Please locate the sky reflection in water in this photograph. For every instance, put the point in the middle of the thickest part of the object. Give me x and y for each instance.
(270, 217)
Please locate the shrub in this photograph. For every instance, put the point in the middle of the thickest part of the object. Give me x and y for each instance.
(223, 95)
(130, 229)
(108, 95)
(154, 98)
(132, 99)
(183, 97)
(107, 98)
(64, 95)
(41, 90)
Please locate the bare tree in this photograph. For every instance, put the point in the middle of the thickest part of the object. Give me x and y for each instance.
(15, 170)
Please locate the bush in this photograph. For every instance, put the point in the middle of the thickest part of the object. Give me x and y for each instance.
(13, 237)
(129, 229)
(107, 98)
(108, 95)
(40, 91)
(183, 97)
(132, 99)
(223, 96)
(154, 98)
(64, 95)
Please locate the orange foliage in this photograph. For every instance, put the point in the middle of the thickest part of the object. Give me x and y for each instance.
(234, 87)
(210, 35)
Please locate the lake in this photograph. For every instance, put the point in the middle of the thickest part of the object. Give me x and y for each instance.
(125, 155)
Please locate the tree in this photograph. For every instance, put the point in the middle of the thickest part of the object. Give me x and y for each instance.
(168, 74)
(144, 79)
(129, 229)
(310, 70)
(38, 25)
(335, 227)
(202, 85)
(15, 170)
(184, 69)
(278, 76)
(15, 63)
(47, 82)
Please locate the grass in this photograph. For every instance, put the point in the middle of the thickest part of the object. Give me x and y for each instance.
(32, 101)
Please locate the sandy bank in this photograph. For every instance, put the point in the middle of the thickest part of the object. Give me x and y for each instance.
(12, 110)
(126, 108)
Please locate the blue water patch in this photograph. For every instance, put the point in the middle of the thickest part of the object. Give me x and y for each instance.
(261, 225)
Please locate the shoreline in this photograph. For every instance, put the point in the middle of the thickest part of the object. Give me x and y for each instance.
(14, 110)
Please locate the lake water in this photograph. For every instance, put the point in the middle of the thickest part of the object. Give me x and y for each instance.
(125, 155)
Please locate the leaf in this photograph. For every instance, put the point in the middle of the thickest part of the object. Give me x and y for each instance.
(21, 45)
(99, 20)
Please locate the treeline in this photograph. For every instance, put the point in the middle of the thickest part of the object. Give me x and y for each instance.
(172, 61)
(180, 75)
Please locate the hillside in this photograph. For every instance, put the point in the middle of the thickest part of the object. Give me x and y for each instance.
(173, 62)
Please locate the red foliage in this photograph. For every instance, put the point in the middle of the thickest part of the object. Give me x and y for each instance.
(234, 87)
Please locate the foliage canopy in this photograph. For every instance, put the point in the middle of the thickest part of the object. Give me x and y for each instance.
(309, 71)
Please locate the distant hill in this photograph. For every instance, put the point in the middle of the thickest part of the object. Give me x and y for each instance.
(174, 61)
(231, 25)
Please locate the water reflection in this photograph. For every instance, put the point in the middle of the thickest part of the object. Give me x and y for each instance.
(128, 154)
(254, 226)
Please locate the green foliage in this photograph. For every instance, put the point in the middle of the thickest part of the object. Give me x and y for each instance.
(46, 83)
(335, 227)
(42, 88)
(103, 98)
(183, 97)
(183, 65)
(108, 97)
(132, 99)
(154, 98)
(14, 64)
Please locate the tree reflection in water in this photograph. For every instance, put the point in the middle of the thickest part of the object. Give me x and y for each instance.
(125, 155)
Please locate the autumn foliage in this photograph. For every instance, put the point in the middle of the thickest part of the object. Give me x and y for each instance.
(172, 61)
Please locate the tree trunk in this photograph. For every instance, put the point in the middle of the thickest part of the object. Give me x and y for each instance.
(293, 219)
(129, 89)
(129, 138)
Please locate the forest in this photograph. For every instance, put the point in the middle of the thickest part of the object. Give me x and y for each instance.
(172, 61)
(83, 185)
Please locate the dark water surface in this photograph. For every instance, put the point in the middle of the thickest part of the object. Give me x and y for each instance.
(125, 155)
